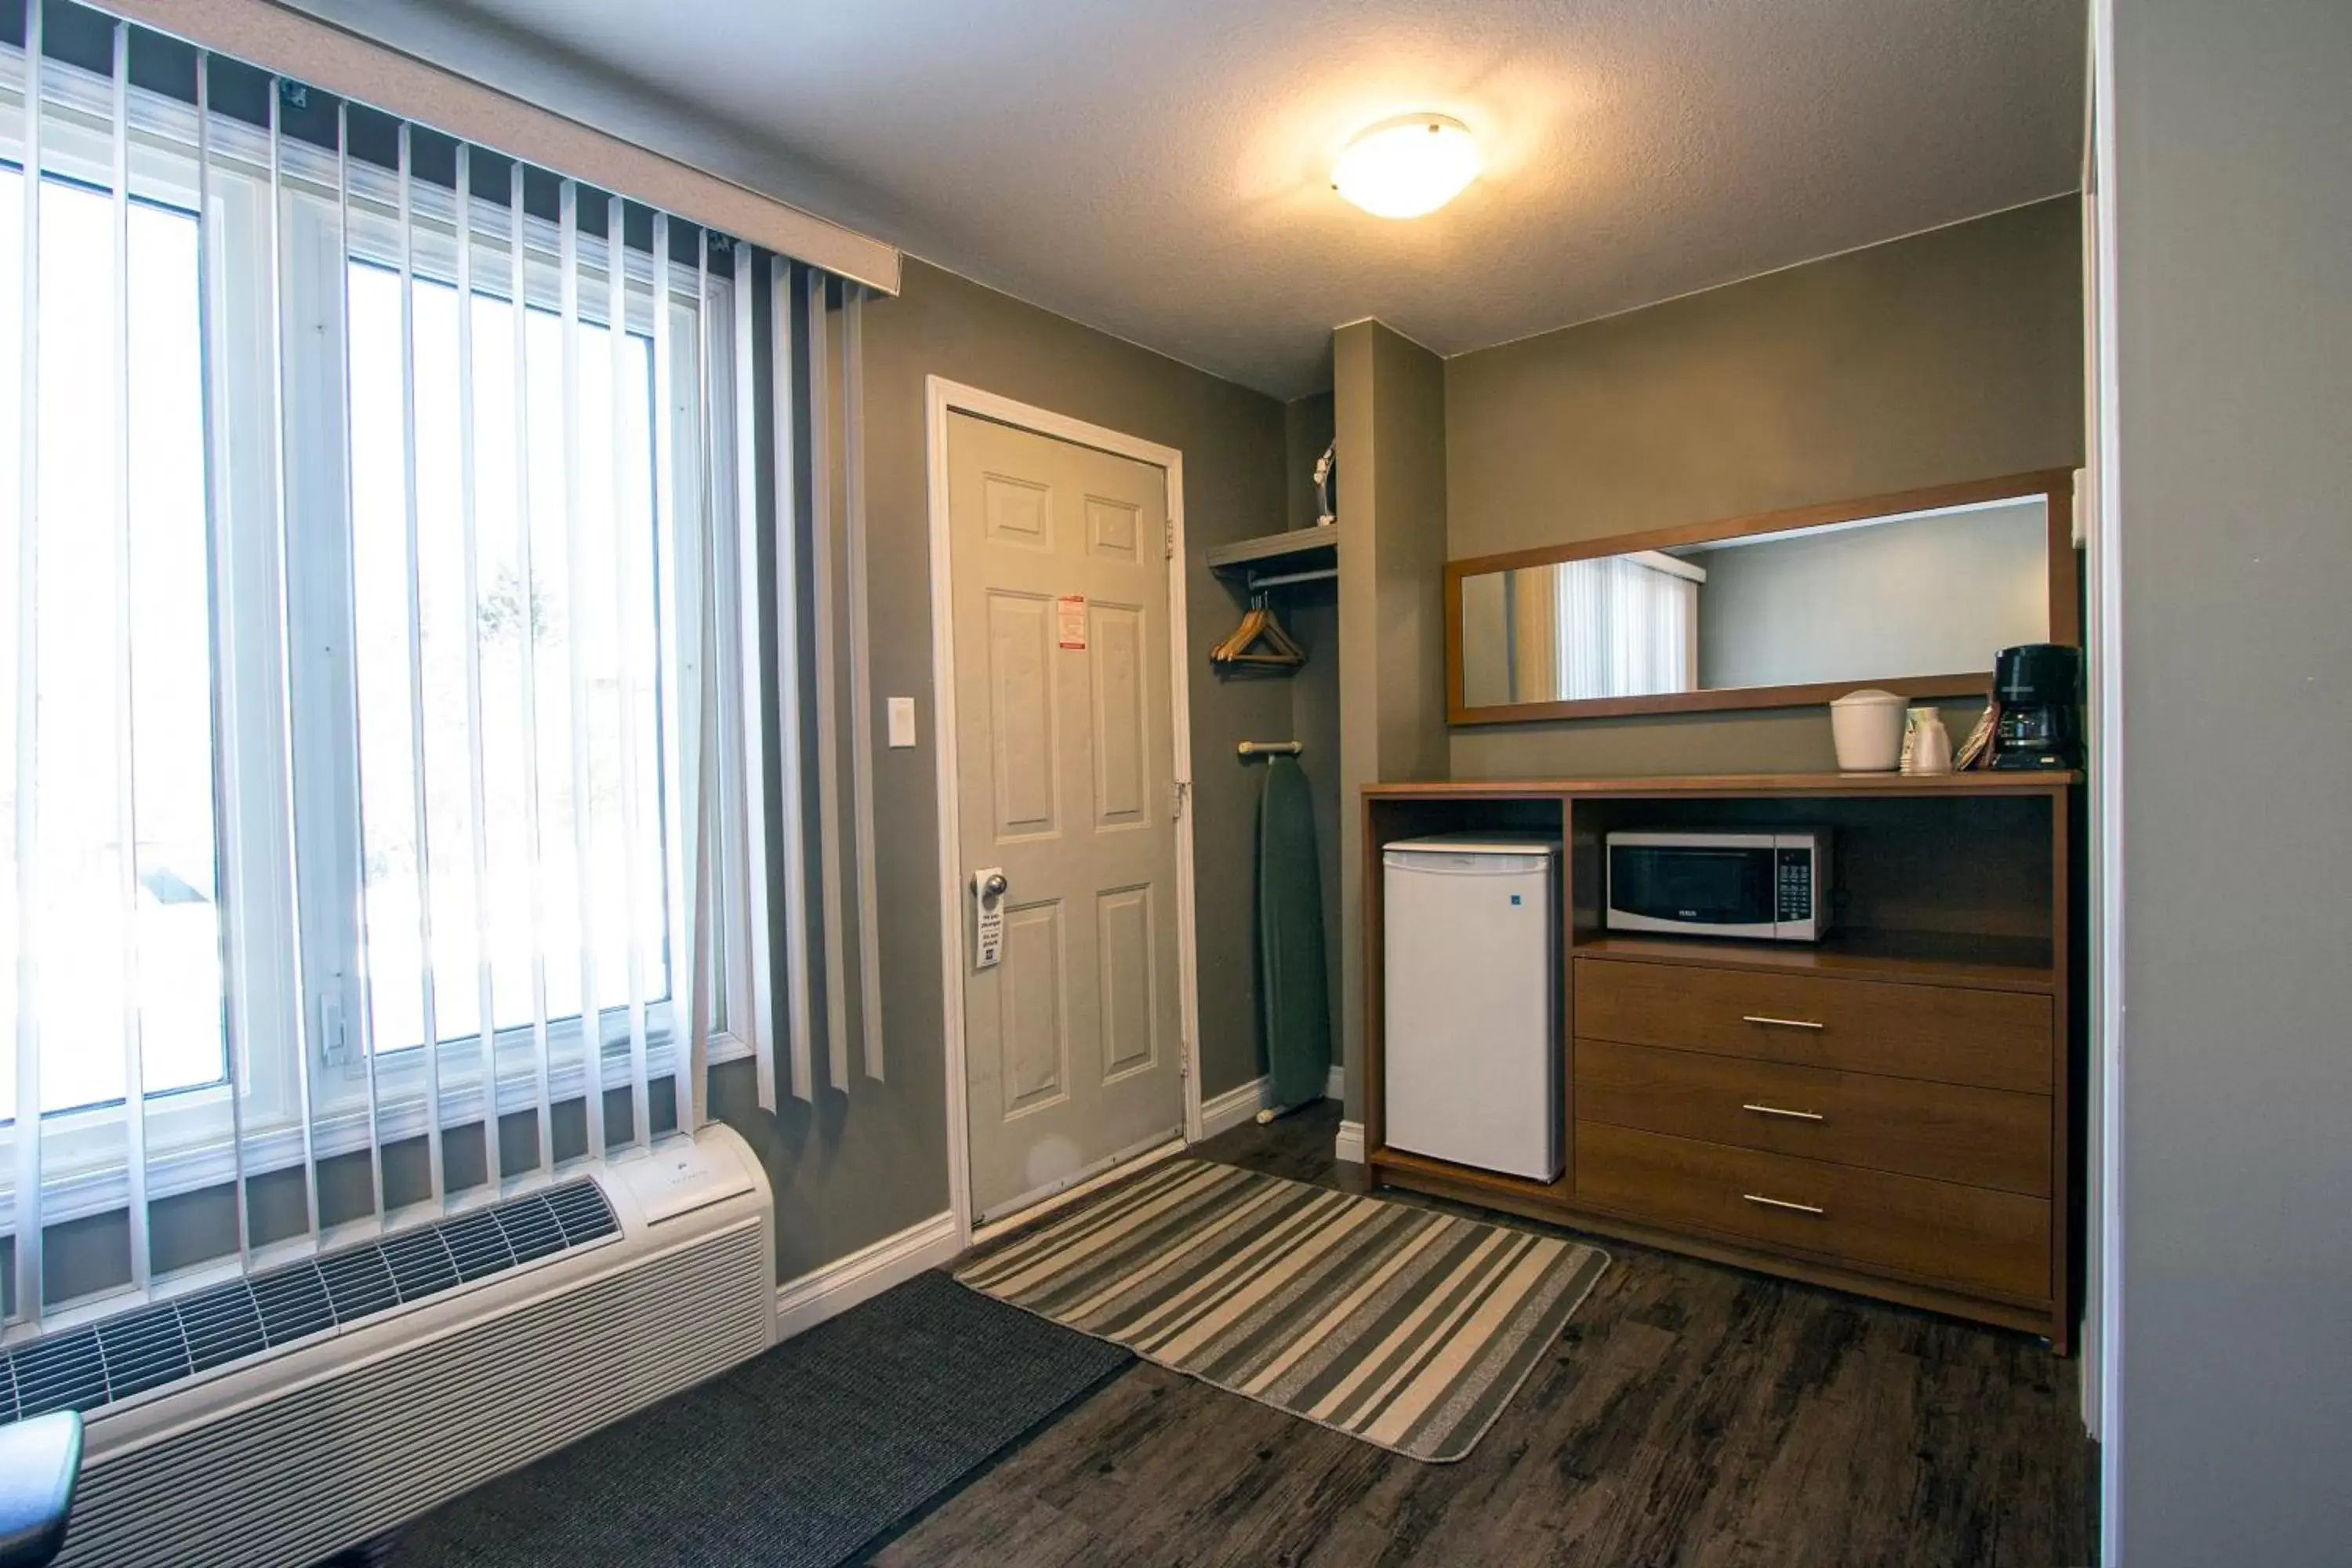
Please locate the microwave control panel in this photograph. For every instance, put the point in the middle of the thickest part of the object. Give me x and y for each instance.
(1795, 878)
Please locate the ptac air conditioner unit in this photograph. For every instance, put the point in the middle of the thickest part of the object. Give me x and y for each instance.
(286, 1416)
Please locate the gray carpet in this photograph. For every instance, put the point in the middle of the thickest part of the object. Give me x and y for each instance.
(800, 1457)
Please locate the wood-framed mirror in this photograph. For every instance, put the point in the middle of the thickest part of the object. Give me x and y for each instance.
(1912, 592)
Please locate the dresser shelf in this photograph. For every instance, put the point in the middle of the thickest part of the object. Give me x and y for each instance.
(1919, 957)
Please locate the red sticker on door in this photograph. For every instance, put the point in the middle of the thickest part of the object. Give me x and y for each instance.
(1070, 615)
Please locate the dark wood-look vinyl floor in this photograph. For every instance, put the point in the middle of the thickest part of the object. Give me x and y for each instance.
(1693, 1414)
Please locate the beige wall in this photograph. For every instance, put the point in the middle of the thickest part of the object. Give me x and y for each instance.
(1950, 356)
(1388, 407)
(856, 1168)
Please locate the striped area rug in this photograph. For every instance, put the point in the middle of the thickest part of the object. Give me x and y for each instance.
(1404, 1326)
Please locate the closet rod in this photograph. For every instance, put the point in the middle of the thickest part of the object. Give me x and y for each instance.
(1323, 574)
(1271, 748)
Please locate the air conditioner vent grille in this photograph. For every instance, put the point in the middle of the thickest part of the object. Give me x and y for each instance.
(582, 1211)
(358, 1281)
(149, 1347)
(532, 1230)
(222, 1326)
(53, 1374)
(419, 1263)
(142, 1350)
(477, 1245)
(293, 1301)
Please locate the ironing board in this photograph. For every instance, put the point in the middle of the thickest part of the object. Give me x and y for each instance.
(1294, 999)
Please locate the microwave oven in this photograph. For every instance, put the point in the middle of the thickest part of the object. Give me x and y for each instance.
(1769, 886)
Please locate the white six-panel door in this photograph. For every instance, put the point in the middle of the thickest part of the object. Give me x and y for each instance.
(1066, 784)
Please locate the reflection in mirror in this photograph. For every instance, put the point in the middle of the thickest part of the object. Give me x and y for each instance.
(1921, 594)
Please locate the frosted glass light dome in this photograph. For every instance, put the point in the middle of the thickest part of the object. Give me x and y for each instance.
(1407, 166)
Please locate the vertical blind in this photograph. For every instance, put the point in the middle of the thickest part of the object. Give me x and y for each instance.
(415, 555)
(1617, 626)
(1628, 624)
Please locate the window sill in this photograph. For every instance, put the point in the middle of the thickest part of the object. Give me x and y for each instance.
(72, 1193)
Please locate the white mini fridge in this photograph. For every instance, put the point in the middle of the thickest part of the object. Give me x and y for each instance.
(1471, 1057)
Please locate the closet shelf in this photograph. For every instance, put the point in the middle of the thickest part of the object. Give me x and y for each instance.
(1299, 550)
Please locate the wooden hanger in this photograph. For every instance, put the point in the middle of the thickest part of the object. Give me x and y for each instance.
(1242, 636)
(1258, 627)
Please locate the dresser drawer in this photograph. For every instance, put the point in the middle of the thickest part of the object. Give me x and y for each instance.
(1949, 1132)
(1964, 1236)
(1993, 1039)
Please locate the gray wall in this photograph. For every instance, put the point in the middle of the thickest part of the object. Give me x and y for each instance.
(1388, 407)
(1928, 596)
(1950, 356)
(2232, 220)
(1311, 613)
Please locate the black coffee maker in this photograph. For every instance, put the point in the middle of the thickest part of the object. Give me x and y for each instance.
(2036, 686)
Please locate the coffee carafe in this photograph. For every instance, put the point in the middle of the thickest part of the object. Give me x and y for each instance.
(2037, 687)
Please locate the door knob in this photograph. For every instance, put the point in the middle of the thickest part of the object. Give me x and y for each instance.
(994, 887)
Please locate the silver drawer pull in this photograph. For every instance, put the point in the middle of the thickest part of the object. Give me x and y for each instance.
(1793, 1115)
(1779, 1023)
(1781, 1204)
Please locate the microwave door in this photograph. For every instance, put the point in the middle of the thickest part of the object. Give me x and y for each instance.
(1718, 891)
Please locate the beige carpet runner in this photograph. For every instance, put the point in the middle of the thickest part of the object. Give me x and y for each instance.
(1404, 1326)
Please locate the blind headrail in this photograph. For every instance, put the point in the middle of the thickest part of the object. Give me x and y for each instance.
(309, 49)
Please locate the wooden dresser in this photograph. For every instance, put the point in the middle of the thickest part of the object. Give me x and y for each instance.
(1887, 1112)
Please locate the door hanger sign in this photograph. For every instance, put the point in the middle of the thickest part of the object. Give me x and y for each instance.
(1070, 621)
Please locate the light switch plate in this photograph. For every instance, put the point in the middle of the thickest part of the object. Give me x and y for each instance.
(902, 721)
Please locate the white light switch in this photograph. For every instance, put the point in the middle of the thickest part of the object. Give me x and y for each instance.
(902, 721)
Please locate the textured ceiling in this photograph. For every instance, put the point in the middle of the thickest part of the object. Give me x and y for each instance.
(1160, 171)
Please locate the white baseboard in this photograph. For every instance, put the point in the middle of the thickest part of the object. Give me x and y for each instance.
(804, 1302)
(1237, 1105)
(1233, 1107)
(1349, 1147)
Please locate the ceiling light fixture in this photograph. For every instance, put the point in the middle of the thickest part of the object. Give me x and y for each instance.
(1404, 167)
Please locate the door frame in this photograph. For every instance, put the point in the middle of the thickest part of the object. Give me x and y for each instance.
(942, 398)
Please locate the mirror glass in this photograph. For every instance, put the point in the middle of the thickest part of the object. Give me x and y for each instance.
(1922, 594)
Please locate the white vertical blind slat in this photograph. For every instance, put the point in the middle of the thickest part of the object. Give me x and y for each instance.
(752, 817)
(861, 672)
(126, 801)
(235, 1016)
(705, 759)
(476, 779)
(527, 595)
(424, 825)
(283, 518)
(792, 768)
(625, 623)
(829, 722)
(350, 646)
(687, 1017)
(26, 1133)
(592, 1024)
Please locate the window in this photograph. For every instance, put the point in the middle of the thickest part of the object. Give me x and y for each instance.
(111, 623)
(362, 691)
